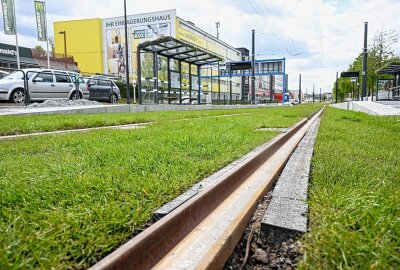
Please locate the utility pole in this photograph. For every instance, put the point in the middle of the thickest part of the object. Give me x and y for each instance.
(217, 25)
(337, 87)
(320, 96)
(365, 56)
(128, 88)
(65, 48)
(313, 93)
(300, 88)
(253, 68)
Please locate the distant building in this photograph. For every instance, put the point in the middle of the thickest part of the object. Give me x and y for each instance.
(98, 45)
(8, 57)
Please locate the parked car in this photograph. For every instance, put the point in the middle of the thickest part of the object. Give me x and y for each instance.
(102, 89)
(3, 73)
(42, 84)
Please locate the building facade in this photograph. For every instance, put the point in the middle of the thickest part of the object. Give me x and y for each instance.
(8, 57)
(98, 45)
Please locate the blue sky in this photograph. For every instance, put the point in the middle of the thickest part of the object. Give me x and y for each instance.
(317, 37)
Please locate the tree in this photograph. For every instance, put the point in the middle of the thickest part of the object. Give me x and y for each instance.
(38, 51)
(382, 48)
(380, 53)
(51, 46)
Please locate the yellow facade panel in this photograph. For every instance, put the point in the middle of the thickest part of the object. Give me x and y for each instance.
(186, 34)
(84, 43)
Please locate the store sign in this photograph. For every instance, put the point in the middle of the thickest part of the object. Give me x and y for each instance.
(40, 11)
(141, 34)
(157, 18)
(8, 16)
(8, 52)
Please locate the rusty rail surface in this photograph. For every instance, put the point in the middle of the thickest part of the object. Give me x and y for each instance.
(148, 248)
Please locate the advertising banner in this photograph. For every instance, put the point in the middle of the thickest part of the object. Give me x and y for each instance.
(175, 80)
(8, 16)
(40, 12)
(384, 89)
(195, 82)
(141, 28)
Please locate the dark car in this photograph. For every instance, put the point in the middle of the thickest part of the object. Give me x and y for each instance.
(102, 89)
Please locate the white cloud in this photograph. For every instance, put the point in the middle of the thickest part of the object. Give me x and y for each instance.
(295, 22)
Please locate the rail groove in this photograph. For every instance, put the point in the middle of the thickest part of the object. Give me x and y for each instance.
(201, 233)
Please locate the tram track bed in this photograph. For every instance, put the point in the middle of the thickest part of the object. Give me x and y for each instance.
(67, 201)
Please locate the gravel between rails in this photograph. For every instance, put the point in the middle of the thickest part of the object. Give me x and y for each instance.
(263, 255)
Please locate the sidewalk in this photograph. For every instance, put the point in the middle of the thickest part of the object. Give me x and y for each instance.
(93, 109)
(64, 110)
(371, 107)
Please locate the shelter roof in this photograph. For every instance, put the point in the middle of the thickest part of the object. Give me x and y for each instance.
(392, 68)
(180, 50)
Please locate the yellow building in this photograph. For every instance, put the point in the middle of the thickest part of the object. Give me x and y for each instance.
(83, 41)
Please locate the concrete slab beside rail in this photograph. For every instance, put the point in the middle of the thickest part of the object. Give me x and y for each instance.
(286, 214)
(94, 109)
(371, 107)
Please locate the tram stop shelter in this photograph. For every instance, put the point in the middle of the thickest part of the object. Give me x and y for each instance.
(170, 82)
(392, 68)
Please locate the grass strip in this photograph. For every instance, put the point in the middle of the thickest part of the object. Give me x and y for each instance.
(68, 200)
(22, 124)
(355, 193)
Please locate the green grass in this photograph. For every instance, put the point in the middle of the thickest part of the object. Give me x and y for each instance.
(355, 193)
(68, 200)
(10, 125)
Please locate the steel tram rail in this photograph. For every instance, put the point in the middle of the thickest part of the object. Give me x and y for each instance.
(202, 233)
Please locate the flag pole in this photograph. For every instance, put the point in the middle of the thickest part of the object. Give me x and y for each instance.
(16, 36)
(47, 39)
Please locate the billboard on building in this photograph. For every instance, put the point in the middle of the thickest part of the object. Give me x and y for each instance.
(141, 28)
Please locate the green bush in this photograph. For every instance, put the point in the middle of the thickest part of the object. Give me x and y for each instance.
(122, 88)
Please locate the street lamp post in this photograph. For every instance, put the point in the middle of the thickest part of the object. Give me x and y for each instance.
(128, 87)
(65, 47)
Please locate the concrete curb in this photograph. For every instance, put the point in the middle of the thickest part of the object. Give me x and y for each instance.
(286, 215)
(94, 109)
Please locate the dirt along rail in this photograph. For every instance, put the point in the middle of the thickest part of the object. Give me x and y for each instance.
(202, 232)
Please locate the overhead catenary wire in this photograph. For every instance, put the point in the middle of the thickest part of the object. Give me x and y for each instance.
(264, 21)
(318, 30)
